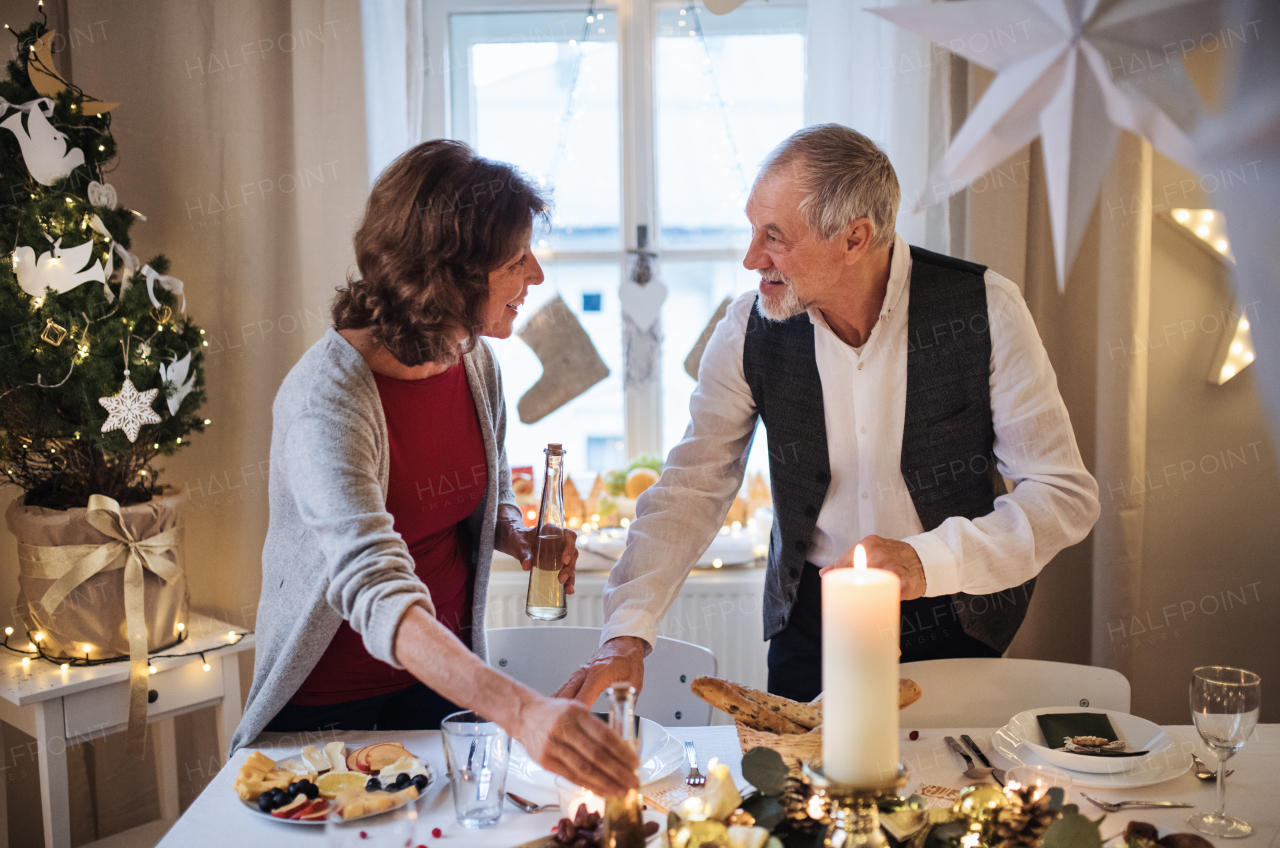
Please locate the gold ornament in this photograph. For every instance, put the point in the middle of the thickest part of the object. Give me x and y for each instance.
(979, 805)
(162, 314)
(53, 333)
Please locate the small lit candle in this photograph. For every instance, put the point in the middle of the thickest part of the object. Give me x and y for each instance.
(571, 796)
(860, 623)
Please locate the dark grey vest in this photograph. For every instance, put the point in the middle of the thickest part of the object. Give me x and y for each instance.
(947, 458)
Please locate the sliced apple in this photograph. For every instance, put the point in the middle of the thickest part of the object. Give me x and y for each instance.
(353, 760)
(384, 755)
(287, 810)
(317, 809)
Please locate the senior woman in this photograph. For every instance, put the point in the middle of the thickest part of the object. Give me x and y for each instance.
(390, 488)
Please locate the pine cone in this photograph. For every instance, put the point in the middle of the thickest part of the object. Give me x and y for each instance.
(1023, 823)
(796, 799)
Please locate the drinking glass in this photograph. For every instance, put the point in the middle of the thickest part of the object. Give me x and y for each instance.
(477, 751)
(1225, 703)
(1042, 778)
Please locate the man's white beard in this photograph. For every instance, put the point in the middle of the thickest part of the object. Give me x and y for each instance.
(780, 307)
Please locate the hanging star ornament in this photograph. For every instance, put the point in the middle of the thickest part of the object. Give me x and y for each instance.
(1074, 73)
(130, 409)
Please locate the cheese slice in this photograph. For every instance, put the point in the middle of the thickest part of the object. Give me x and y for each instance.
(335, 752)
(316, 760)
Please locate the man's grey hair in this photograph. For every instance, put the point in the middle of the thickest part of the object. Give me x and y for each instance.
(843, 175)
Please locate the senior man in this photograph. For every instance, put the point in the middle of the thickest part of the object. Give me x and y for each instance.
(897, 388)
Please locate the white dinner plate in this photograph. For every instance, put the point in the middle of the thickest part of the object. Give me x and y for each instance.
(1138, 734)
(660, 755)
(1170, 761)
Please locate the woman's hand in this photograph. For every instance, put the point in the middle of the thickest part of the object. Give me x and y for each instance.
(514, 539)
(564, 737)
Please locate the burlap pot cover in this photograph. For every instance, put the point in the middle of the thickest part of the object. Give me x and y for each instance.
(108, 577)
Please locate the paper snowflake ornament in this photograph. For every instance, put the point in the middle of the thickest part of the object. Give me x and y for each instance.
(130, 409)
(1074, 72)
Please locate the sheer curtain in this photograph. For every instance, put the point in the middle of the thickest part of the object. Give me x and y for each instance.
(867, 74)
(242, 139)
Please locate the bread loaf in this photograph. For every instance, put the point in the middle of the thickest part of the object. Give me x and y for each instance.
(728, 697)
(802, 714)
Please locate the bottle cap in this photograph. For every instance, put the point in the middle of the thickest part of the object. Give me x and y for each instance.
(554, 449)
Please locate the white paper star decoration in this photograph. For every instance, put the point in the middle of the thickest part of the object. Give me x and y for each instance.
(130, 409)
(1068, 71)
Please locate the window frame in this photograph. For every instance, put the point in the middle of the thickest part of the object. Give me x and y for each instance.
(637, 32)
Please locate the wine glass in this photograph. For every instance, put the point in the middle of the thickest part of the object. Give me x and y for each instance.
(1225, 703)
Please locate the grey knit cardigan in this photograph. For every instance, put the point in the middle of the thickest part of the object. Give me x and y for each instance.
(331, 552)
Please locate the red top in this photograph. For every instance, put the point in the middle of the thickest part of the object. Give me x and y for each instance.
(438, 478)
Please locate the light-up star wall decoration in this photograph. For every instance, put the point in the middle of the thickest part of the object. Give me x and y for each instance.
(1072, 72)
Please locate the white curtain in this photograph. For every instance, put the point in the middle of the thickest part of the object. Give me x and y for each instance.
(893, 87)
(241, 137)
(394, 72)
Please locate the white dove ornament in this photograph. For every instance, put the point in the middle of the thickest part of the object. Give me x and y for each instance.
(179, 376)
(60, 270)
(44, 149)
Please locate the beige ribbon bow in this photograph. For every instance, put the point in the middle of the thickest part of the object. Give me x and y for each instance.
(71, 565)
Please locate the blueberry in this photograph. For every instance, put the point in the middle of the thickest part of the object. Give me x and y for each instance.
(293, 788)
(373, 785)
(264, 802)
(277, 795)
(402, 779)
(311, 791)
(420, 781)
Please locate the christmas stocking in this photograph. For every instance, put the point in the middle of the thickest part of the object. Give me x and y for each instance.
(694, 358)
(570, 362)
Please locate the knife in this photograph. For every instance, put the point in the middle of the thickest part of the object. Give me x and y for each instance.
(982, 757)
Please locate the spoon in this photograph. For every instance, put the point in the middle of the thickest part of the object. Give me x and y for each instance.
(973, 772)
(528, 806)
(1204, 772)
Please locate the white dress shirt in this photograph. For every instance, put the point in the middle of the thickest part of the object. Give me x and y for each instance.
(1053, 505)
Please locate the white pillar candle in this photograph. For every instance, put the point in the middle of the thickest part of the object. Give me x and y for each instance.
(860, 622)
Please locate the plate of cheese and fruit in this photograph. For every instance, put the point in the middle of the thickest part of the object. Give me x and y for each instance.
(310, 787)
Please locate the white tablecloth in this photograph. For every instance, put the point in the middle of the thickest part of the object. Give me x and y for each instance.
(217, 817)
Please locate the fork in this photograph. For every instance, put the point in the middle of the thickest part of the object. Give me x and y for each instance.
(694, 777)
(1117, 806)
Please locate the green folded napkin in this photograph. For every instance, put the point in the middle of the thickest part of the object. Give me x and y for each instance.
(1059, 726)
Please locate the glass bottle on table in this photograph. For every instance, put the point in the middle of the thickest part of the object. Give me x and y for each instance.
(623, 817)
(546, 599)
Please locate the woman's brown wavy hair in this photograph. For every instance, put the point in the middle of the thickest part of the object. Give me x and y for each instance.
(438, 220)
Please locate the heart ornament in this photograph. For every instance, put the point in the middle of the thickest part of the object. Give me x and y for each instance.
(642, 303)
(102, 194)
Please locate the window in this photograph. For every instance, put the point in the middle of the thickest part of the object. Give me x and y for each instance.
(639, 114)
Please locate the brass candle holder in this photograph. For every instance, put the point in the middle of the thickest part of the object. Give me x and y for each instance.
(854, 810)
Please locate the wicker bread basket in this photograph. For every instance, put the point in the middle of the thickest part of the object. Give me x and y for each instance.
(795, 748)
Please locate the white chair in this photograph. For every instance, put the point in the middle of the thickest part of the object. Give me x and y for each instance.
(980, 692)
(543, 658)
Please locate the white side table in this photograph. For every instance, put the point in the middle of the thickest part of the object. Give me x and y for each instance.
(63, 708)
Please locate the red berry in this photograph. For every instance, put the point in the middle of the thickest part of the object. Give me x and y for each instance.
(913, 735)
(364, 835)
(437, 832)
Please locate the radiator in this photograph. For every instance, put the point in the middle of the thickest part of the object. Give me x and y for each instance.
(718, 609)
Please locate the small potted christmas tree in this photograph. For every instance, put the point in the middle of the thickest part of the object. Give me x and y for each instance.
(101, 373)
